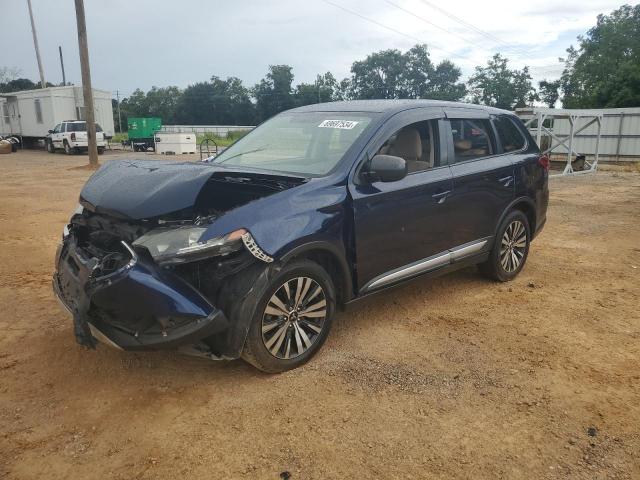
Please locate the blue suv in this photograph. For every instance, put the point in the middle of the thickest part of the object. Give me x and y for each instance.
(249, 254)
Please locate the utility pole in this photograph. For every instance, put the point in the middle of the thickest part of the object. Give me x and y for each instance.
(86, 82)
(64, 78)
(119, 117)
(35, 44)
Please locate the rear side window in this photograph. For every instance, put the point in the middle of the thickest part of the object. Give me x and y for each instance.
(76, 127)
(509, 134)
(81, 127)
(471, 139)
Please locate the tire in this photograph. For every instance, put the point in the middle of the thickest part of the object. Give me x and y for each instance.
(282, 339)
(67, 148)
(510, 249)
(50, 147)
(100, 150)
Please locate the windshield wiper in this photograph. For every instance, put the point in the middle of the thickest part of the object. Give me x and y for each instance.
(244, 153)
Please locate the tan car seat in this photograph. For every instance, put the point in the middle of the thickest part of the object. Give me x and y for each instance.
(407, 145)
(463, 149)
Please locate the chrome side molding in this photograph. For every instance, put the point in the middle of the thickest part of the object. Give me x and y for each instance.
(427, 264)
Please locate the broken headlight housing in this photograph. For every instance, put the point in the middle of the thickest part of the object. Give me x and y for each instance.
(178, 245)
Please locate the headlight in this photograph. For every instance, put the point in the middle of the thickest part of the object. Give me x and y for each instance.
(78, 211)
(183, 244)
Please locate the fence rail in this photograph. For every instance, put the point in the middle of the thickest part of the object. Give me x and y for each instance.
(217, 130)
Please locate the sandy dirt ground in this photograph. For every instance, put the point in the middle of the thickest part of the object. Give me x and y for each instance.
(451, 378)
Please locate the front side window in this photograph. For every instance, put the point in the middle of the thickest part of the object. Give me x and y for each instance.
(471, 139)
(301, 143)
(416, 143)
(58, 128)
(510, 136)
(38, 107)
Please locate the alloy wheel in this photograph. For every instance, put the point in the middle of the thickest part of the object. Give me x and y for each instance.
(514, 246)
(294, 318)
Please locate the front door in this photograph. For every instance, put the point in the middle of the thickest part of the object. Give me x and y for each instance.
(401, 223)
(56, 136)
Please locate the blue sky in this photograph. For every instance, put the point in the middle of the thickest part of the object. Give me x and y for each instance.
(188, 41)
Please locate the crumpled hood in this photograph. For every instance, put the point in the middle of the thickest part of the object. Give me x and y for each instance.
(144, 188)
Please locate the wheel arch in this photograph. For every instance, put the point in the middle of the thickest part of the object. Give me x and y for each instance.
(331, 259)
(526, 206)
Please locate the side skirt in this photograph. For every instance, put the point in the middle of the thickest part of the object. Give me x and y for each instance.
(445, 269)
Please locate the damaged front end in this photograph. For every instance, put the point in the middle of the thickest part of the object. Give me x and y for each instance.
(153, 283)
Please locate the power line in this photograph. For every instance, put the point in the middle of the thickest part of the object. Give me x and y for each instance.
(473, 27)
(446, 30)
(387, 27)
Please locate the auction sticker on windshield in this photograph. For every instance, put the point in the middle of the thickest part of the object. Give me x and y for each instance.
(343, 124)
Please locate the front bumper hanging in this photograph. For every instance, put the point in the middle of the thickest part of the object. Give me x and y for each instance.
(136, 307)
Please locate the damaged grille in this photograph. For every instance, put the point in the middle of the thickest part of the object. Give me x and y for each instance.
(101, 237)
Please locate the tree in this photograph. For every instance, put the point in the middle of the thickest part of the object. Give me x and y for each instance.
(162, 102)
(604, 71)
(8, 73)
(444, 83)
(157, 102)
(549, 92)
(217, 102)
(325, 89)
(380, 75)
(274, 93)
(393, 74)
(18, 84)
(498, 86)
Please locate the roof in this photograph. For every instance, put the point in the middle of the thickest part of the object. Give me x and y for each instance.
(389, 106)
(47, 90)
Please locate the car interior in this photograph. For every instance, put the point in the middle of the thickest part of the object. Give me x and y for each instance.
(414, 144)
(470, 139)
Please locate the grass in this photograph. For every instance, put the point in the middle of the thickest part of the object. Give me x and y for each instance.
(221, 141)
(119, 137)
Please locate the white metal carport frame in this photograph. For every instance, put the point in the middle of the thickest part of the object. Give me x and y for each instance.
(574, 117)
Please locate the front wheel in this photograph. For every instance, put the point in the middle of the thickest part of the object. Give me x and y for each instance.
(510, 249)
(292, 318)
(100, 150)
(67, 149)
(50, 147)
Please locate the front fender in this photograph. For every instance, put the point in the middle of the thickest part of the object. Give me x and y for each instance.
(286, 220)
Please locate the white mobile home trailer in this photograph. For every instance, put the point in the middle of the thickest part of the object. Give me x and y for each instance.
(32, 113)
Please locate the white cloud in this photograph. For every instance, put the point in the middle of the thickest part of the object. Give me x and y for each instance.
(150, 42)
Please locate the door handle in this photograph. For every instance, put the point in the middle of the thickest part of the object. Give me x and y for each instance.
(441, 196)
(506, 180)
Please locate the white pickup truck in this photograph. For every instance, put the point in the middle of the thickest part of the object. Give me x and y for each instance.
(72, 137)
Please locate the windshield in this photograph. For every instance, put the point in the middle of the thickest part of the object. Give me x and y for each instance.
(300, 143)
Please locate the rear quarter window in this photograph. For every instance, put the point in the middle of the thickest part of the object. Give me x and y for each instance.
(509, 134)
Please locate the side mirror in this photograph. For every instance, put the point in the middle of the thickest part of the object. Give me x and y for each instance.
(50, 131)
(387, 168)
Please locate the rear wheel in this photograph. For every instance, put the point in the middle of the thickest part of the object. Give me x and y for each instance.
(100, 150)
(292, 319)
(510, 249)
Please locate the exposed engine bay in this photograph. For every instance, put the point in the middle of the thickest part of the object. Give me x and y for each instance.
(151, 282)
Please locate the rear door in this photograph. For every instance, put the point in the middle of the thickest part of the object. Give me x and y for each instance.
(399, 223)
(483, 175)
